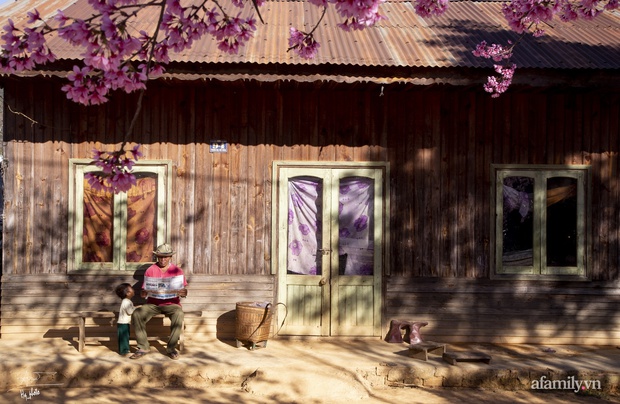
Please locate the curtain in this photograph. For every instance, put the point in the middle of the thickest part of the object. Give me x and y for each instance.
(97, 229)
(141, 220)
(522, 201)
(355, 214)
(98, 232)
(304, 226)
(355, 227)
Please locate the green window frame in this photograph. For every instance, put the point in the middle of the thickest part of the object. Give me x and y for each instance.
(158, 173)
(540, 221)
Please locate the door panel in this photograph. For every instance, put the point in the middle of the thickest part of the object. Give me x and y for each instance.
(304, 308)
(356, 277)
(329, 231)
(301, 240)
(355, 309)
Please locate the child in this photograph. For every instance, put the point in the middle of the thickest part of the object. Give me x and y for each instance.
(125, 292)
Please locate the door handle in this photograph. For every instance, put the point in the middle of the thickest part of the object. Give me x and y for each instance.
(324, 251)
(322, 282)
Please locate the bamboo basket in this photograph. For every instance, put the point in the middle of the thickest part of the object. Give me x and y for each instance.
(253, 322)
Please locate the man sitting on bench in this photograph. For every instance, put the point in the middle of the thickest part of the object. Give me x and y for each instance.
(164, 284)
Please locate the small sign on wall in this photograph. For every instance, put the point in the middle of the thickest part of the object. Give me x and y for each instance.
(218, 146)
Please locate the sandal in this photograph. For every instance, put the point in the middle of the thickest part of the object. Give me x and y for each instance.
(138, 354)
(173, 355)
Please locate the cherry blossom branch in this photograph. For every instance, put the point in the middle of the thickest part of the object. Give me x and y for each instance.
(303, 43)
(525, 16)
(116, 170)
(116, 58)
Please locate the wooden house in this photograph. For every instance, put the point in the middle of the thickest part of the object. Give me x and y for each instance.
(377, 182)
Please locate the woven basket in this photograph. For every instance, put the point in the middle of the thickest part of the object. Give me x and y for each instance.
(253, 321)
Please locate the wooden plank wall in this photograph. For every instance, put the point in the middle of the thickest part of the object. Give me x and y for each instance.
(476, 310)
(31, 303)
(439, 141)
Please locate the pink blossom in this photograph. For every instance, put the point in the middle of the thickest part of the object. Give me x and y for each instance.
(319, 3)
(498, 84)
(43, 56)
(33, 16)
(174, 6)
(357, 14)
(99, 61)
(96, 182)
(61, 18)
(77, 33)
(115, 175)
(78, 74)
(567, 11)
(122, 182)
(303, 44)
(523, 14)
(429, 8)
(111, 48)
(229, 45)
(76, 93)
(97, 97)
(495, 51)
(589, 9)
(108, 27)
(136, 152)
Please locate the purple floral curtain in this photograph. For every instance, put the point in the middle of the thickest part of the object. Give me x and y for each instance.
(356, 246)
(355, 222)
(304, 223)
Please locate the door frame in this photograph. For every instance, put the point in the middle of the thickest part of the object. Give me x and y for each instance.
(384, 226)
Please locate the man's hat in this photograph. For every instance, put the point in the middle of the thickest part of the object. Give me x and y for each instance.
(164, 250)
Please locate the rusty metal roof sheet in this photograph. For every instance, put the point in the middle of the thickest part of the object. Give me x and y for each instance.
(404, 39)
(17, 10)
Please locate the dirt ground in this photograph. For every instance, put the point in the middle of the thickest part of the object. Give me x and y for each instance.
(112, 395)
(288, 371)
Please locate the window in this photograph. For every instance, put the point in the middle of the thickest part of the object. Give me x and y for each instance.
(540, 221)
(118, 231)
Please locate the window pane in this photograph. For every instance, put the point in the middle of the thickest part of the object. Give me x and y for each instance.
(561, 222)
(98, 225)
(304, 226)
(518, 222)
(142, 218)
(355, 226)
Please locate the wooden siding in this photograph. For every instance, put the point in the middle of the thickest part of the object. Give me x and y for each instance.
(473, 310)
(31, 304)
(440, 143)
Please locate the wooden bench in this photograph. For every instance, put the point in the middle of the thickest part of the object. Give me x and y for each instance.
(453, 357)
(422, 349)
(83, 315)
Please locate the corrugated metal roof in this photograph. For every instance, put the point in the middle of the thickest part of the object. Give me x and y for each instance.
(403, 40)
(17, 10)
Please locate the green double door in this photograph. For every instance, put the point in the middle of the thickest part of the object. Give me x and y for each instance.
(330, 246)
